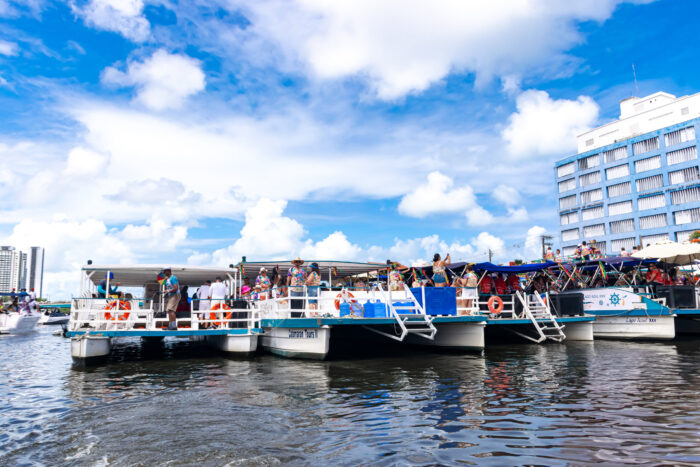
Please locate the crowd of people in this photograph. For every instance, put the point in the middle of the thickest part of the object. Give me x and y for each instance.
(22, 302)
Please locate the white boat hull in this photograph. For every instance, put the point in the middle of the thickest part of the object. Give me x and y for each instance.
(312, 343)
(634, 327)
(454, 336)
(83, 347)
(579, 331)
(18, 323)
(234, 343)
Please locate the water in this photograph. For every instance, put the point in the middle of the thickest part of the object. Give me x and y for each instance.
(575, 403)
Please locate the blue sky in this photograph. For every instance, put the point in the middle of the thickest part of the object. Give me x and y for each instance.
(197, 132)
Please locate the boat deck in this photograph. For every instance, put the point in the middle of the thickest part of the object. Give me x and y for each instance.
(162, 333)
(686, 311)
(563, 320)
(345, 321)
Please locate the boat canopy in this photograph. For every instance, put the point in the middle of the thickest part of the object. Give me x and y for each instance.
(334, 269)
(520, 268)
(140, 275)
(616, 262)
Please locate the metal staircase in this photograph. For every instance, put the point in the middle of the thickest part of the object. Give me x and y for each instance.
(538, 311)
(411, 318)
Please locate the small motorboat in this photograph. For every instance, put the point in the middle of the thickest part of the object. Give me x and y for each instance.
(53, 317)
(18, 322)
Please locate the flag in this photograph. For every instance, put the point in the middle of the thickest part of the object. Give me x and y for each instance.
(161, 278)
(242, 269)
(602, 271)
(335, 271)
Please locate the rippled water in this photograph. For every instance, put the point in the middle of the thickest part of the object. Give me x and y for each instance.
(575, 403)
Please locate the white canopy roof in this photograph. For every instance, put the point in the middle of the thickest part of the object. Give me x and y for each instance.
(671, 252)
(140, 275)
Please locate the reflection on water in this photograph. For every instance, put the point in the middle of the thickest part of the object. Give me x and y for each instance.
(580, 403)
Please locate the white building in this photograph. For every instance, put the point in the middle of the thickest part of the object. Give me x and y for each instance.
(35, 270)
(10, 269)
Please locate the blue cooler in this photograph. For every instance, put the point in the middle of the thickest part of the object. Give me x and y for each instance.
(406, 311)
(438, 300)
(369, 309)
(380, 310)
(344, 309)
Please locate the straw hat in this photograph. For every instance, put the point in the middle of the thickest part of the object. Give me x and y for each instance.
(298, 260)
(262, 270)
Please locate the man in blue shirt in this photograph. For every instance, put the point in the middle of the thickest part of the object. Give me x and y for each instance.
(172, 297)
(102, 286)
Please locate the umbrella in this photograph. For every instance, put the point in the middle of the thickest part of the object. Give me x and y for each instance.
(671, 252)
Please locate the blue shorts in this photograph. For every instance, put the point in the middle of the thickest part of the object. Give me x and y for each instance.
(313, 292)
(439, 278)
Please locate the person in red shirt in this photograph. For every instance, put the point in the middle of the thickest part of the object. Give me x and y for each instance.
(486, 286)
(500, 284)
(654, 275)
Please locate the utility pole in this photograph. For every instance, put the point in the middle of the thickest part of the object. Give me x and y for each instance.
(545, 243)
(490, 255)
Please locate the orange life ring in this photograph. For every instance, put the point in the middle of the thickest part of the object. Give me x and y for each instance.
(499, 304)
(339, 296)
(119, 305)
(222, 307)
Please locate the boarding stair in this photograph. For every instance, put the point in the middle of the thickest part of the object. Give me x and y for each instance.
(409, 314)
(537, 310)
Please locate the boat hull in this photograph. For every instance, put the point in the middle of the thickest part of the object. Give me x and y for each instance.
(467, 337)
(85, 347)
(579, 331)
(309, 343)
(16, 323)
(240, 344)
(634, 327)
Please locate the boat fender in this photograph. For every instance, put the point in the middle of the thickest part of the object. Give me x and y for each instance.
(499, 304)
(119, 305)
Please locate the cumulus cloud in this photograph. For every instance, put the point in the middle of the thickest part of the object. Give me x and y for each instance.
(8, 48)
(121, 16)
(402, 46)
(83, 161)
(149, 191)
(533, 241)
(506, 194)
(163, 81)
(437, 196)
(546, 126)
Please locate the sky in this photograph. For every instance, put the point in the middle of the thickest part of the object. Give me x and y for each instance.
(199, 132)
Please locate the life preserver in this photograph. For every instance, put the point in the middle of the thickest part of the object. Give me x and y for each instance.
(119, 305)
(340, 295)
(218, 306)
(499, 304)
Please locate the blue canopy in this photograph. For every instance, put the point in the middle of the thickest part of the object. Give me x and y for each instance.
(534, 267)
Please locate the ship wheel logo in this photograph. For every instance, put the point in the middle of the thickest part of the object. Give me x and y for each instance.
(614, 299)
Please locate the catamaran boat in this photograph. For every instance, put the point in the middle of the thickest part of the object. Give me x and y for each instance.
(95, 322)
(20, 322)
(624, 311)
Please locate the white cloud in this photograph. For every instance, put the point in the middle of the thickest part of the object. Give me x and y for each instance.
(506, 194)
(82, 161)
(546, 126)
(437, 197)
(8, 48)
(517, 215)
(336, 246)
(533, 242)
(149, 191)
(163, 81)
(402, 46)
(122, 16)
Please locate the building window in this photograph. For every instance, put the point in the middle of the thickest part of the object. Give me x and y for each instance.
(589, 162)
(568, 250)
(682, 155)
(653, 222)
(652, 239)
(618, 245)
(647, 145)
(615, 154)
(593, 230)
(589, 179)
(620, 189)
(650, 183)
(567, 185)
(651, 202)
(565, 170)
(588, 197)
(685, 111)
(626, 225)
(592, 213)
(683, 176)
(589, 142)
(617, 171)
(684, 236)
(568, 235)
(649, 163)
(568, 202)
(685, 196)
(616, 209)
(569, 218)
(680, 136)
(686, 216)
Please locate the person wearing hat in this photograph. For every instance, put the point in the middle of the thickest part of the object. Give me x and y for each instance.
(395, 278)
(171, 293)
(102, 286)
(296, 277)
(313, 283)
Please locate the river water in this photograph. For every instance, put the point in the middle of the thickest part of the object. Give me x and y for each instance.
(176, 404)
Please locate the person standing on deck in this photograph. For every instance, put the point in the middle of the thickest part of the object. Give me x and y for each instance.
(217, 292)
(549, 256)
(439, 273)
(172, 297)
(203, 294)
(296, 276)
(264, 282)
(585, 251)
(395, 279)
(313, 283)
(557, 256)
(102, 291)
